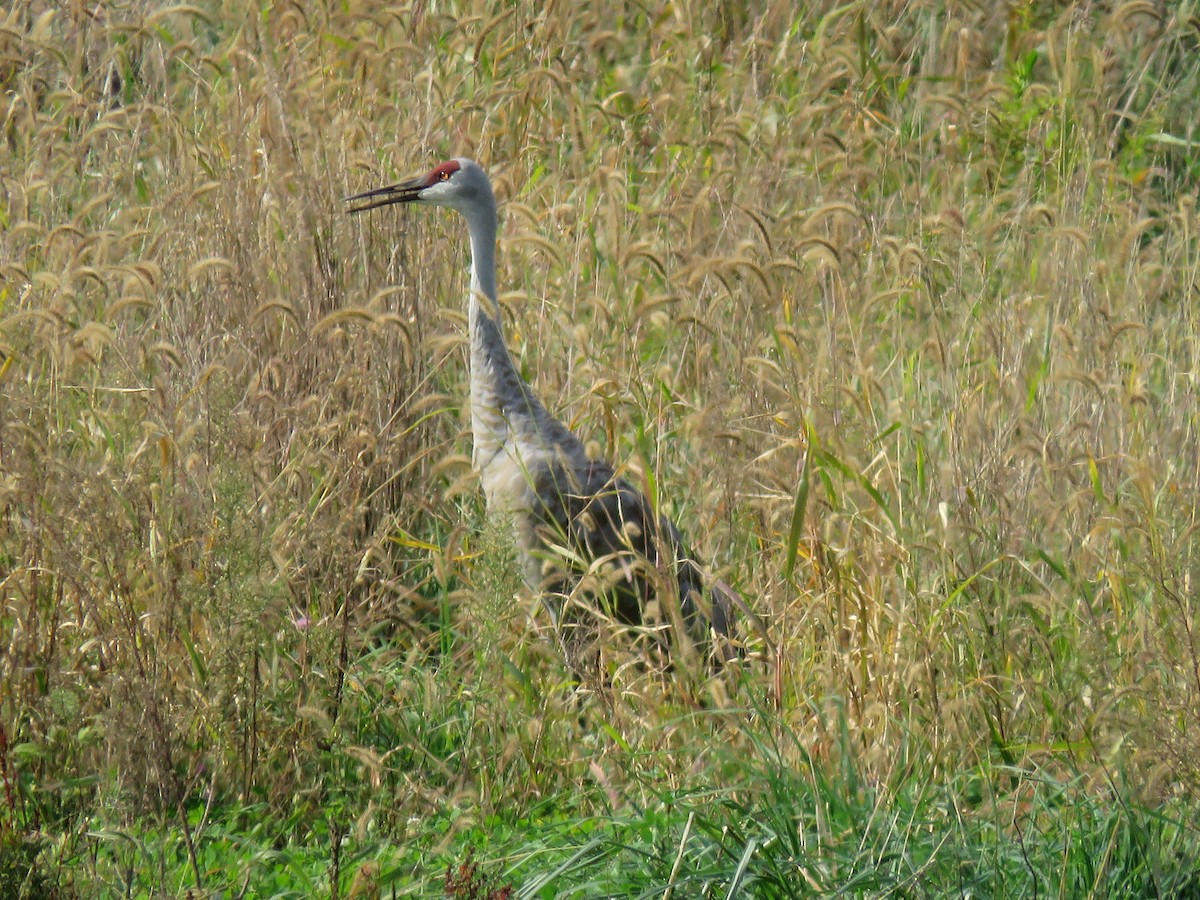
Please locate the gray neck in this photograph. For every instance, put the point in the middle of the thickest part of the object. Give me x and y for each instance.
(507, 421)
(495, 385)
(481, 223)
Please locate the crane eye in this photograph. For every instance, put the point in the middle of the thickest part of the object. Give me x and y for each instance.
(443, 176)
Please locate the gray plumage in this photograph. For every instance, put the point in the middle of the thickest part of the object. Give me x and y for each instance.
(581, 528)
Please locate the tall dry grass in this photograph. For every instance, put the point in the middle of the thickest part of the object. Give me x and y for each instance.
(895, 303)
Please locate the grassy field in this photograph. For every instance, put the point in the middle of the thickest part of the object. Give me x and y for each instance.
(894, 305)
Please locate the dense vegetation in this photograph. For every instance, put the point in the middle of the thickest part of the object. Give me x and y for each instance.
(893, 306)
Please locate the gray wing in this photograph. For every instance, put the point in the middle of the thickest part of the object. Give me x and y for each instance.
(604, 522)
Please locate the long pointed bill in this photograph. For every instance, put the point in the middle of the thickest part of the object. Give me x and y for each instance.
(403, 192)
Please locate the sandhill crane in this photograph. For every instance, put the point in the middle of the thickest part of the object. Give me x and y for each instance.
(581, 527)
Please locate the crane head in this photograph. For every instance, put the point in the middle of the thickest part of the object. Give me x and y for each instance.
(458, 183)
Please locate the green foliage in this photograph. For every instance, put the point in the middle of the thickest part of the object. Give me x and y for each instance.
(23, 875)
(891, 305)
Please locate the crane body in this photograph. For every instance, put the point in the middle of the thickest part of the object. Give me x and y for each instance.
(579, 524)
